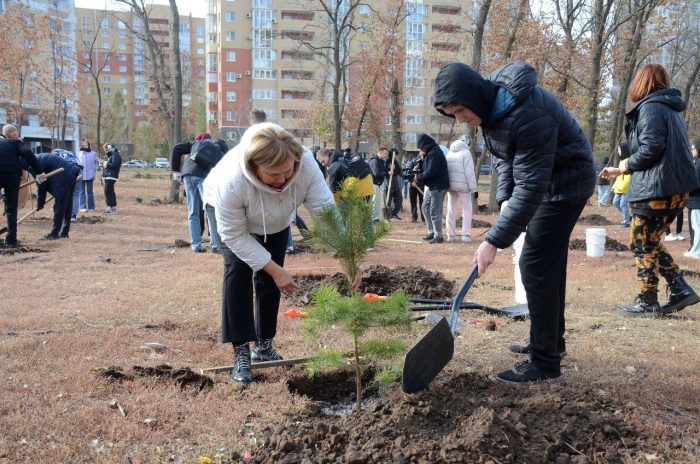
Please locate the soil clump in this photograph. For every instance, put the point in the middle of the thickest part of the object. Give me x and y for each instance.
(467, 418)
(610, 245)
(185, 377)
(595, 220)
(89, 219)
(9, 251)
(379, 279)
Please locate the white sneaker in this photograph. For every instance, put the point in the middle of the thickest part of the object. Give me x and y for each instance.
(466, 238)
(670, 238)
(451, 239)
(83, 210)
(679, 237)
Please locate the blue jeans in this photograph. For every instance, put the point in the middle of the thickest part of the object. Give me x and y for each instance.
(620, 202)
(301, 225)
(603, 194)
(194, 189)
(404, 188)
(87, 197)
(76, 199)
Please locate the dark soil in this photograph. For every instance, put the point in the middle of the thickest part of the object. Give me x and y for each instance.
(467, 418)
(595, 220)
(9, 251)
(301, 246)
(610, 245)
(179, 243)
(690, 273)
(89, 219)
(416, 281)
(185, 377)
(475, 223)
(334, 387)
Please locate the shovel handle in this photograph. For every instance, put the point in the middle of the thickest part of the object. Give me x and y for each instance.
(4, 229)
(33, 181)
(456, 303)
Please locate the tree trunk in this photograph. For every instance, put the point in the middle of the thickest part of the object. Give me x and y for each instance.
(358, 376)
(174, 193)
(396, 116)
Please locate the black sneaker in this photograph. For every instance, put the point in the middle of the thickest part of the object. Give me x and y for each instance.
(63, 236)
(241, 368)
(526, 372)
(199, 250)
(49, 237)
(396, 216)
(436, 240)
(264, 351)
(527, 349)
(646, 304)
(429, 236)
(682, 295)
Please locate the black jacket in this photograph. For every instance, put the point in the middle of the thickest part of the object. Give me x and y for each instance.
(694, 200)
(57, 184)
(113, 165)
(435, 174)
(660, 158)
(396, 178)
(380, 171)
(337, 170)
(188, 167)
(544, 156)
(11, 150)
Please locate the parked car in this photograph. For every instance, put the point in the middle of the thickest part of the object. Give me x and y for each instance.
(485, 169)
(135, 164)
(162, 163)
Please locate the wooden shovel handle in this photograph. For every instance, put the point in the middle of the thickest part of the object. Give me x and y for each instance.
(33, 181)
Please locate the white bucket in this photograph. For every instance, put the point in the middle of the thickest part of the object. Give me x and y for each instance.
(595, 242)
(520, 296)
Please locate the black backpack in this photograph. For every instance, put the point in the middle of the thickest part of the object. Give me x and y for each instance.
(358, 168)
(205, 153)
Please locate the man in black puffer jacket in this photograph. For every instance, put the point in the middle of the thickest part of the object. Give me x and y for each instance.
(204, 154)
(437, 182)
(545, 175)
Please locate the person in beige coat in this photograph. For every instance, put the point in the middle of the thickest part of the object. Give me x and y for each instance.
(460, 166)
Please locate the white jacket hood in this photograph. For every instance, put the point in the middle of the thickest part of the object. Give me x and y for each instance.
(245, 207)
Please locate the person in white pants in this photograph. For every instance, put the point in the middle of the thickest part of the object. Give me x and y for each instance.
(694, 207)
(460, 165)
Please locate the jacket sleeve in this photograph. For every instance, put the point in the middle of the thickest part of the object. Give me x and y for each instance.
(31, 160)
(378, 170)
(336, 175)
(469, 171)
(41, 193)
(429, 169)
(536, 143)
(232, 224)
(114, 161)
(176, 155)
(318, 196)
(652, 133)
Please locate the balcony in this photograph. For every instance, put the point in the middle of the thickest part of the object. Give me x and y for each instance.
(447, 9)
(295, 95)
(297, 35)
(297, 75)
(297, 15)
(446, 28)
(445, 47)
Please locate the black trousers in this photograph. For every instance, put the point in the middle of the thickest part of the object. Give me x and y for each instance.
(244, 320)
(9, 183)
(110, 196)
(62, 208)
(395, 199)
(415, 196)
(543, 268)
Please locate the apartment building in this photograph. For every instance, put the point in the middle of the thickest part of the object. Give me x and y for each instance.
(255, 60)
(41, 102)
(111, 40)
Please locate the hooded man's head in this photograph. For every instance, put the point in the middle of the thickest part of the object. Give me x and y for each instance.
(426, 143)
(458, 88)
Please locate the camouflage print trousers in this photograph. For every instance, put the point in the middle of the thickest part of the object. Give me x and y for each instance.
(646, 242)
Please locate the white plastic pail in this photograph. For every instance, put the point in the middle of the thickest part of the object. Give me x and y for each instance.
(595, 242)
(520, 296)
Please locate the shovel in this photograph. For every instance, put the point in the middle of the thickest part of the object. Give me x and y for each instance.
(386, 211)
(46, 176)
(49, 200)
(432, 353)
(516, 312)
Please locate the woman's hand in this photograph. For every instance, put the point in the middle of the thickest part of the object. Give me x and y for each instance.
(485, 256)
(282, 278)
(609, 173)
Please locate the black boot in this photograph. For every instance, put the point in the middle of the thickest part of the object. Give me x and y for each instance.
(646, 304)
(264, 351)
(527, 349)
(241, 369)
(682, 295)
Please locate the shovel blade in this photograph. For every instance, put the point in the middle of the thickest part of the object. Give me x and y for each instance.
(427, 358)
(517, 312)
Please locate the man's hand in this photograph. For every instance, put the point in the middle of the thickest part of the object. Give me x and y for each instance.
(609, 173)
(40, 178)
(177, 176)
(485, 256)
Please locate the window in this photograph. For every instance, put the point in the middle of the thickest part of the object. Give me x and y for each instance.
(416, 100)
(264, 94)
(105, 45)
(211, 117)
(267, 74)
(3, 115)
(230, 16)
(85, 22)
(123, 80)
(200, 40)
(414, 31)
(200, 51)
(414, 47)
(200, 31)
(107, 91)
(122, 57)
(262, 3)
(34, 120)
(263, 19)
(122, 69)
(107, 79)
(122, 46)
(231, 56)
(263, 58)
(122, 35)
(139, 113)
(410, 137)
(211, 97)
(413, 73)
(124, 91)
(86, 56)
(231, 96)
(230, 77)
(104, 23)
(105, 32)
(107, 68)
(364, 10)
(262, 38)
(230, 36)
(231, 115)
(121, 25)
(415, 119)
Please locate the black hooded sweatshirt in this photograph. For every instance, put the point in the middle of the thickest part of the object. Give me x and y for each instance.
(544, 156)
(435, 174)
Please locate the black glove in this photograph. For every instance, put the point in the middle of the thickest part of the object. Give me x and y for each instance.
(39, 207)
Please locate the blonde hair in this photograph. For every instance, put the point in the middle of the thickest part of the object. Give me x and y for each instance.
(7, 129)
(272, 146)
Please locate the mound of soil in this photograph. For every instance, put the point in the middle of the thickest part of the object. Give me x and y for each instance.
(416, 281)
(185, 377)
(179, 243)
(595, 220)
(9, 251)
(690, 273)
(466, 419)
(89, 219)
(303, 247)
(610, 245)
(480, 223)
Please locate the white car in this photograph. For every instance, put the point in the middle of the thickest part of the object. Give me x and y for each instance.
(135, 164)
(162, 163)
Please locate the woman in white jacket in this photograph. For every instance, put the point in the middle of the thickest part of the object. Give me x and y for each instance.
(255, 190)
(460, 165)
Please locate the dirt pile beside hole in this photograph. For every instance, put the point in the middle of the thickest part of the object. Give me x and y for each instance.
(9, 251)
(310, 282)
(179, 243)
(594, 220)
(466, 419)
(480, 223)
(185, 377)
(610, 245)
(89, 219)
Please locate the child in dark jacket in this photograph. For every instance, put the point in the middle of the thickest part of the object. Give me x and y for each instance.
(437, 182)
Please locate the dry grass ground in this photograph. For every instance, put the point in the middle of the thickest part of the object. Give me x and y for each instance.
(95, 299)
